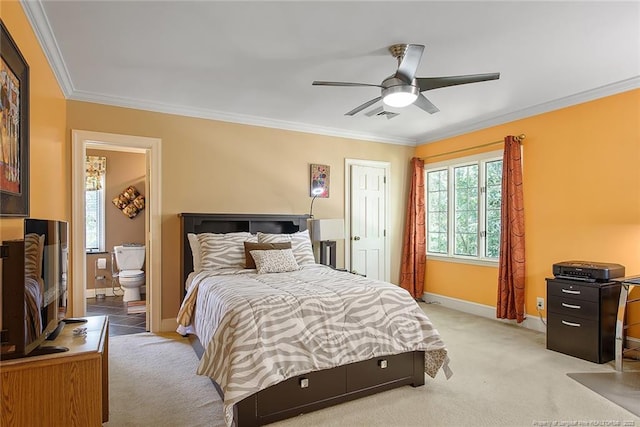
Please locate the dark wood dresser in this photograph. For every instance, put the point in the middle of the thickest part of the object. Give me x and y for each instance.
(581, 318)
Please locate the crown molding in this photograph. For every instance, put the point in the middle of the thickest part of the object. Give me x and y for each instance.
(235, 118)
(40, 24)
(568, 101)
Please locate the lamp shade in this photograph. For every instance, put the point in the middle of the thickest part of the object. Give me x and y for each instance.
(327, 229)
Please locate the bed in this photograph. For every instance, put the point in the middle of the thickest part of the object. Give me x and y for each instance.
(332, 364)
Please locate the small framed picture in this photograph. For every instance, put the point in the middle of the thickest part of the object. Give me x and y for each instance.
(319, 181)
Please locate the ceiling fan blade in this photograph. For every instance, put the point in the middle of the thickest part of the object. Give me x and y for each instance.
(321, 83)
(363, 106)
(425, 104)
(410, 61)
(428, 83)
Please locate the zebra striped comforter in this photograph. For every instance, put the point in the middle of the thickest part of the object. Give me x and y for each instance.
(260, 329)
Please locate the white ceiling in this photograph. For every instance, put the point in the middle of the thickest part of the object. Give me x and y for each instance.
(253, 61)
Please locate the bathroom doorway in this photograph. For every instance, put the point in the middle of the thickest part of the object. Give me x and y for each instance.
(115, 217)
(147, 183)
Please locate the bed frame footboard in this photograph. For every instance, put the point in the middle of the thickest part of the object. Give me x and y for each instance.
(321, 389)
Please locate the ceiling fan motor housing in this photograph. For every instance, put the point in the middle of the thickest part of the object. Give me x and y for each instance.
(397, 93)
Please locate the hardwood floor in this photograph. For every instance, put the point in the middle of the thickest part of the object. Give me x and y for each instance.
(120, 323)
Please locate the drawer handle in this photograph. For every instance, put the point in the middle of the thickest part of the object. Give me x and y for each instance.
(569, 291)
(304, 382)
(575, 325)
(577, 307)
(382, 364)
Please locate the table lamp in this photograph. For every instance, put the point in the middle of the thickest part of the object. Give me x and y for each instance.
(327, 231)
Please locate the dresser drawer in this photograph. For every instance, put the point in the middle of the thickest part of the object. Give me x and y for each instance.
(564, 288)
(303, 389)
(566, 306)
(379, 370)
(574, 336)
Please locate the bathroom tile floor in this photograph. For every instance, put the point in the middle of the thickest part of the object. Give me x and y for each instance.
(120, 323)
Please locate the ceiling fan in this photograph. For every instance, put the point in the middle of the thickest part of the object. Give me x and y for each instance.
(403, 88)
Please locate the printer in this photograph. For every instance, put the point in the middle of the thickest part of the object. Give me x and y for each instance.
(587, 271)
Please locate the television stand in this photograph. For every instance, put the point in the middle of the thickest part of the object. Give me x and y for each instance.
(54, 334)
(68, 388)
(49, 349)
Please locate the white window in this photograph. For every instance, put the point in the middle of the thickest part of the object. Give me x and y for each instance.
(94, 202)
(463, 198)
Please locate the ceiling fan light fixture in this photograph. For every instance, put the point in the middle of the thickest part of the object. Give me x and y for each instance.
(400, 96)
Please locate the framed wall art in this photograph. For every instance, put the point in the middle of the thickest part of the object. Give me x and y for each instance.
(319, 181)
(14, 129)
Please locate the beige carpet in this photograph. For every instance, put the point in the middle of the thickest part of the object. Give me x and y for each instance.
(152, 382)
(503, 376)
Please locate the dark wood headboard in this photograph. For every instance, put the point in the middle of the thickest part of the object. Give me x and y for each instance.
(230, 223)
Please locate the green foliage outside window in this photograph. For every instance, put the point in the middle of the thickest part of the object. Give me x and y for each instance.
(466, 210)
(438, 211)
(493, 200)
(463, 209)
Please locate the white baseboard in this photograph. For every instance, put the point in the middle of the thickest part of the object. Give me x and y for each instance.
(530, 322)
(632, 342)
(91, 293)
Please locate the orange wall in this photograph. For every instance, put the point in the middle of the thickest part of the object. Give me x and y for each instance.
(49, 171)
(581, 193)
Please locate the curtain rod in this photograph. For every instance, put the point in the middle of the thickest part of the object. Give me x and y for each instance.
(519, 138)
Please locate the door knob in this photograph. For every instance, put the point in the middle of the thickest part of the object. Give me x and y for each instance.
(356, 237)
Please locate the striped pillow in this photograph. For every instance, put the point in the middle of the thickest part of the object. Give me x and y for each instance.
(33, 251)
(300, 244)
(223, 250)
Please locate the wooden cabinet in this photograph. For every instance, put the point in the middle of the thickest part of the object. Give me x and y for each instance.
(61, 389)
(581, 318)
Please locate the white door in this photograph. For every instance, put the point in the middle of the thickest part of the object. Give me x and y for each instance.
(368, 219)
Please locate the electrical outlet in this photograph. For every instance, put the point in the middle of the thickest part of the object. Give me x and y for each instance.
(540, 303)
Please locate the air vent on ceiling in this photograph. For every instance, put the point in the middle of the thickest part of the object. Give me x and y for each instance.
(380, 112)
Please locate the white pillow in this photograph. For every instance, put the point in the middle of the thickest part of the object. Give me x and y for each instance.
(274, 261)
(300, 245)
(223, 250)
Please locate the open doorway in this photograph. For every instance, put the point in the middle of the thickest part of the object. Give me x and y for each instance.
(82, 143)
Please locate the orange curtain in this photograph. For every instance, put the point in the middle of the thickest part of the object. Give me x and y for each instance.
(512, 263)
(414, 248)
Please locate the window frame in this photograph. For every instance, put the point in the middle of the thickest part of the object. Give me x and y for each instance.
(481, 161)
(101, 219)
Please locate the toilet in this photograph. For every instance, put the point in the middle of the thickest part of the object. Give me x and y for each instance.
(129, 260)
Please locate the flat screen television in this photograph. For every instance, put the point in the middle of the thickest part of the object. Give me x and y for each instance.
(34, 285)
